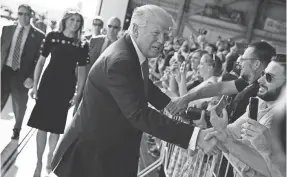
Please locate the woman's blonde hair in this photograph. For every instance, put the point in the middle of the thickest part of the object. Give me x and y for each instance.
(68, 13)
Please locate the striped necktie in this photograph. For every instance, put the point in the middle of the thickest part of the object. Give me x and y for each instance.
(16, 54)
(145, 71)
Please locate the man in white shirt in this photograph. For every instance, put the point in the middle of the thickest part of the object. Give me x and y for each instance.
(20, 49)
(240, 136)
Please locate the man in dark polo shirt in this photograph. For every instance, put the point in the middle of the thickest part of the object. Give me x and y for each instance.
(254, 60)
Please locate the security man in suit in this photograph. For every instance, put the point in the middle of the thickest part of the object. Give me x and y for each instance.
(20, 49)
(99, 43)
(98, 24)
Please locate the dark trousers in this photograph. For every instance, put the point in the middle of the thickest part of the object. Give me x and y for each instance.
(11, 83)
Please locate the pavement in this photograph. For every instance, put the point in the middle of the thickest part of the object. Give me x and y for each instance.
(25, 163)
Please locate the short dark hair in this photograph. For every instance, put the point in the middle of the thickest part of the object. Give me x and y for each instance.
(99, 18)
(264, 51)
(281, 59)
(200, 51)
(27, 7)
(213, 47)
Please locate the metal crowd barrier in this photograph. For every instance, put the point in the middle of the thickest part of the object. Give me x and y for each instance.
(203, 166)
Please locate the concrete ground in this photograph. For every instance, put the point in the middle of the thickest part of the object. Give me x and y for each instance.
(25, 163)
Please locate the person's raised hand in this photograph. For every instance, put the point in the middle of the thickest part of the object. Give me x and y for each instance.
(257, 134)
(217, 122)
(177, 105)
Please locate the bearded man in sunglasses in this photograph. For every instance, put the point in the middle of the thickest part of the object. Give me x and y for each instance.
(246, 136)
(20, 50)
(254, 60)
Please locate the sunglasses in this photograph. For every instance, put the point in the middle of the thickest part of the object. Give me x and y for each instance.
(25, 14)
(98, 24)
(112, 26)
(244, 59)
(268, 76)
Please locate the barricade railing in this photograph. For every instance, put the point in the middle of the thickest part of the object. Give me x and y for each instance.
(202, 165)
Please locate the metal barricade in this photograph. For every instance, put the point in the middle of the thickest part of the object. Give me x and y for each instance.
(202, 166)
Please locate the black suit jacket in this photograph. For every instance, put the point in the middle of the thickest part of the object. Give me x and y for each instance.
(105, 137)
(31, 50)
(96, 44)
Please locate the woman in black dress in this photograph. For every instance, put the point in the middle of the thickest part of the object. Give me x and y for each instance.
(57, 90)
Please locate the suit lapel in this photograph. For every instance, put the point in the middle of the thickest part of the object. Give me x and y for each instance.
(29, 47)
(135, 58)
(10, 34)
(101, 43)
(30, 38)
(6, 45)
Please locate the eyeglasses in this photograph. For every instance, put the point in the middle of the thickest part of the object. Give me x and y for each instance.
(98, 24)
(25, 14)
(244, 59)
(268, 76)
(112, 26)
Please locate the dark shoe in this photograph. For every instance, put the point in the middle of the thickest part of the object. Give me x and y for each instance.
(151, 141)
(154, 152)
(16, 134)
(149, 136)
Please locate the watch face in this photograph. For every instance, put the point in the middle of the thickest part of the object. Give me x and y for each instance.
(236, 68)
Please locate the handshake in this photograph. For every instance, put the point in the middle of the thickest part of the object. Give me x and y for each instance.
(211, 140)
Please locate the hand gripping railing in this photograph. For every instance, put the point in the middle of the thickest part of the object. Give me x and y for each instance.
(201, 166)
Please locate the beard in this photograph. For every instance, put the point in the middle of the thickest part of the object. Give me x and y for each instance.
(270, 95)
(245, 77)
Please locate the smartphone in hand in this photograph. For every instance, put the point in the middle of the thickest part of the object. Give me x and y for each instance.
(223, 102)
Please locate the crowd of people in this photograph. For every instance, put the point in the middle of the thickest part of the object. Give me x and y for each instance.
(193, 72)
(198, 73)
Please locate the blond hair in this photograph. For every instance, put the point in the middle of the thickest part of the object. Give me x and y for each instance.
(68, 13)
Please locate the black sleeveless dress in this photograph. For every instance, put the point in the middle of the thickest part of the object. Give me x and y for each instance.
(58, 83)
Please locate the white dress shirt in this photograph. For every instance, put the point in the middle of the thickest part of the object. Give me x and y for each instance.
(13, 43)
(142, 58)
(265, 117)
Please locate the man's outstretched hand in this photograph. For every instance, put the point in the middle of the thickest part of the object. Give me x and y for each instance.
(220, 136)
(177, 105)
(211, 146)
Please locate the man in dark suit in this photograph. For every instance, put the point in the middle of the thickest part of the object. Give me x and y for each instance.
(20, 44)
(98, 24)
(104, 139)
(99, 43)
